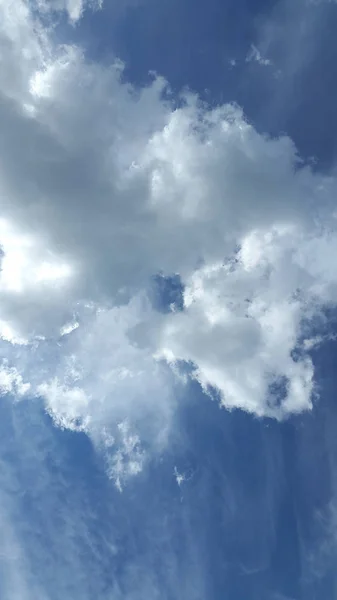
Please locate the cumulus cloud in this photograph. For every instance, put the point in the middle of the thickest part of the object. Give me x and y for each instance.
(243, 321)
(104, 186)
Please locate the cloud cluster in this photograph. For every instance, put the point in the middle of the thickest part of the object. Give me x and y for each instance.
(246, 319)
(103, 186)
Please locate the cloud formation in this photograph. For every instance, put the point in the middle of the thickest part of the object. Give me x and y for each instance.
(103, 186)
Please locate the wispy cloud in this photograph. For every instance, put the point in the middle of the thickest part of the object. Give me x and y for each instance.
(254, 55)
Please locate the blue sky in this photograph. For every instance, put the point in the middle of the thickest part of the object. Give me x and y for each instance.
(168, 300)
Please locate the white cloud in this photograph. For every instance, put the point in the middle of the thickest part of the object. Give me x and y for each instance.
(244, 320)
(104, 186)
(179, 477)
(11, 381)
(182, 477)
(254, 55)
(240, 327)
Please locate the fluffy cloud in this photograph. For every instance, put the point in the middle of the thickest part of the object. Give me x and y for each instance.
(242, 322)
(104, 186)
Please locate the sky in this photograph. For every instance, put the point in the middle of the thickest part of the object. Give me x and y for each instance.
(168, 296)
